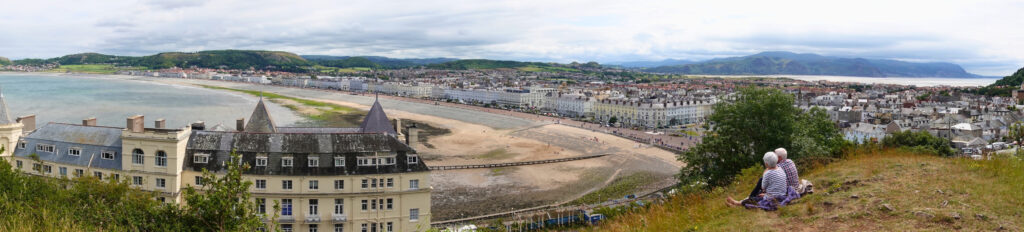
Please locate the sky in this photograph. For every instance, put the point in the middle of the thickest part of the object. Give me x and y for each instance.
(985, 37)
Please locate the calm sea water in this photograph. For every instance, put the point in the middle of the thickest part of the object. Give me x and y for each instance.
(70, 98)
(918, 81)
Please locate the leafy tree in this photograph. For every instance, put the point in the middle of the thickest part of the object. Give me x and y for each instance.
(224, 203)
(921, 141)
(751, 122)
(1016, 133)
(613, 120)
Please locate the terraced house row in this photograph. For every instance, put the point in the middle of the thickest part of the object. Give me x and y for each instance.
(365, 178)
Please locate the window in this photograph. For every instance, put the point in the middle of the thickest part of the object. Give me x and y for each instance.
(107, 155)
(286, 227)
(47, 169)
(161, 159)
(37, 167)
(137, 180)
(117, 177)
(374, 203)
(339, 184)
(373, 183)
(339, 206)
(414, 184)
(365, 205)
(201, 158)
(199, 181)
(79, 172)
(137, 156)
(261, 205)
(98, 175)
(414, 214)
(413, 159)
(75, 151)
(314, 185)
(261, 161)
(313, 227)
(314, 207)
(314, 162)
(365, 161)
(391, 182)
(44, 148)
(286, 207)
(261, 184)
(18, 163)
(161, 199)
(364, 227)
(161, 182)
(386, 160)
(390, 203)
(339, 227)
(63, 171)
(365, 181)
(286, 184)
(339, 161)
(390, 227)
(286, 161)
(22, 145)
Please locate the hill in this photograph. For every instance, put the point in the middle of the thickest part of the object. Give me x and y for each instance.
(503, 64)
(4, 61)
(772, 63)
(372, 61)
(1013, 80)
(651, 64)
(1004, 86)
(890, 190)
(236, 59)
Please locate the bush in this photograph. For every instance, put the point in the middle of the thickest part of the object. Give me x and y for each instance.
(919, 142)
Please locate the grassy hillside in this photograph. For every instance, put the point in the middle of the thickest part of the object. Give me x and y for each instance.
(890, 190)
(502, 64)
(769, 63)
(1003, 87)
(235, 59)
(4, 61)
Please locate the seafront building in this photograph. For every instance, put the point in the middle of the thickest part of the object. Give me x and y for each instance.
(366, 178)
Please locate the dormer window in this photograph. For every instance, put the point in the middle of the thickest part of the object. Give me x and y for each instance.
(22, 145)
(201, 158)
(287, 161)
(75, 151)
(413, 159)
(313, 161)
(45, 148)
(261, 161)
(339, 161)
(107, 155)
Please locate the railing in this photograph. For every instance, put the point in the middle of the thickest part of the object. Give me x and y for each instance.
(340, 218)
(496, 165)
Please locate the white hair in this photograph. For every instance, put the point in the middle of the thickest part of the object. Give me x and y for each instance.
(781, 152)
(770, 159)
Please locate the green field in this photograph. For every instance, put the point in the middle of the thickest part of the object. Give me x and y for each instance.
(617, 189)
(325, 69)
(533, 68)
(93, 68)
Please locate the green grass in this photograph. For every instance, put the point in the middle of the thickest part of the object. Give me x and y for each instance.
(617, 189)
(330, 114)
(925, 192)
(326, 69)
(533, 68)
(93, 68)
(496, 154)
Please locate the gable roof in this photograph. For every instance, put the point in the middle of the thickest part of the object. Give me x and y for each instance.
(5, 115)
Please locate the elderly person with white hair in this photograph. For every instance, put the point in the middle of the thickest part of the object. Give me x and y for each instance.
(775, 190)
(792, 175)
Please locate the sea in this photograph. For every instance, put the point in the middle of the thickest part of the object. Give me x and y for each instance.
(915, 81)
(66, 98)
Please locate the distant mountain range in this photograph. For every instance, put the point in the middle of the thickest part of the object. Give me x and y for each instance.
(373, 61)
(651, 64)
(775, 63)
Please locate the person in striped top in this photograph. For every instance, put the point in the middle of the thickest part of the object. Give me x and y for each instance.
(787, 165)
(775, 189)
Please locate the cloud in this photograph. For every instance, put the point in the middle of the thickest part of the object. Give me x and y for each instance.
(982, 39)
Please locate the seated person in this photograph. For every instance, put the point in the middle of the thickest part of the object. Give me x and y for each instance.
(774, 189)
(792, 176)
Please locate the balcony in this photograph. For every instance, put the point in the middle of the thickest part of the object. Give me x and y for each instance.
(340, 218)
(312, 218)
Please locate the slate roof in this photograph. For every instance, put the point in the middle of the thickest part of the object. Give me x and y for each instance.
(296, 142)
(92, 140)
(260, 120)
(376, 121)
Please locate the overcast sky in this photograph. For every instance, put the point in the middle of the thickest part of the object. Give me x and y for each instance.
(986, 37)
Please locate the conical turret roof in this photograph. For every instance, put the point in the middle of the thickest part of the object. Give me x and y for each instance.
(260, 120)
(376, 121)
(5, 115)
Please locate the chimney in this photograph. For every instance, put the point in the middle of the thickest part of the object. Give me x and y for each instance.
(136, 124)
(160, 124)
(198, 125)
(411, 136)
(28, 122)
(89, 121)
(240, 124)
(397, 124)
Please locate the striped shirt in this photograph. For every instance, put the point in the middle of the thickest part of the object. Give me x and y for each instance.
(774, 182)
(792, 177)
